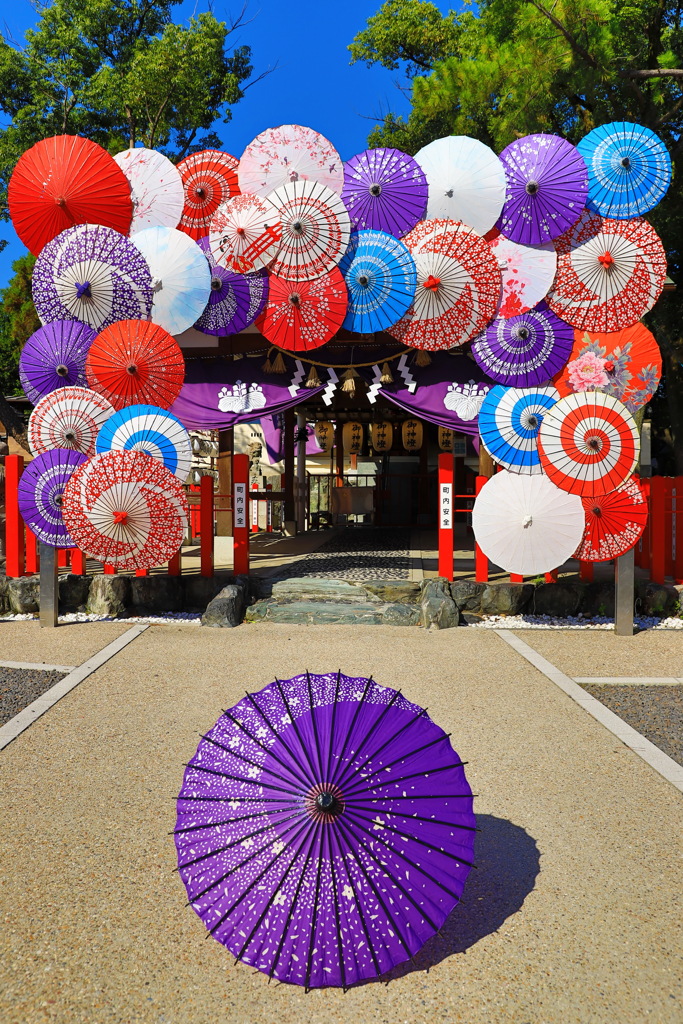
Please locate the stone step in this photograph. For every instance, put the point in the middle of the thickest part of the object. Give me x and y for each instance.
(366, 613)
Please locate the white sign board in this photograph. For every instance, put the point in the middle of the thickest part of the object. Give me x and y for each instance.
(446, 507)
(239, 509)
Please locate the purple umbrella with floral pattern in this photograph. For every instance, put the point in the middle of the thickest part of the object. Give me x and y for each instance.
(40, 491)
(54, 357)
(524, 350)
(384, 190)
(325, 829)
(236, 299)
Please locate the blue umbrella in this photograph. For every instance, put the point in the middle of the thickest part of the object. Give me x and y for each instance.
(509, 422)
(629, 169)
(381, 277)
(147, 428)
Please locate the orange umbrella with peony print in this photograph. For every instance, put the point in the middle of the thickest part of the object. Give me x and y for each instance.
(614, 522)
(624, 364)
(301, 315)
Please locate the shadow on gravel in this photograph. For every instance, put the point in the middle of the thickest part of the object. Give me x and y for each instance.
(508, 861)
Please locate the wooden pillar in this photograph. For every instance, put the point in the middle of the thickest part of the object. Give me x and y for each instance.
(424, 488)
(290, 511)
(339, 453)
(206, 525)
(224, 466)
(487, 466)
(14, 524)
(446, 504)
(241, 522)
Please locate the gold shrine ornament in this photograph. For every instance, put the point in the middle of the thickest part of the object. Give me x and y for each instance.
(411, 435)
(446, 436)
(382, 435)
(324, 435)
(352, 437)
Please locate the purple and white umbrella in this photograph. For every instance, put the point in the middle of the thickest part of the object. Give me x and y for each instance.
(384, 190)
(236, 299)
(325, 829)
(54, 357)
(547, 185)
(39, 494)
(524, 350)
(92, 274)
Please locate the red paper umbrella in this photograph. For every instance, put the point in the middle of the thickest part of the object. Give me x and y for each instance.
(209, 179)
(588, 443)
(458, 286)
(63, 181)
(609, 273)
(135, 361)
(125, 509)
(614, 522)
(304, 314)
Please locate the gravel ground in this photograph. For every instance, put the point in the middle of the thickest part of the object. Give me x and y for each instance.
(19, 687)
(655, 711)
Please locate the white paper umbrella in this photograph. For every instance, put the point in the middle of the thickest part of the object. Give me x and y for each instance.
(466, 181)
(525, 524)
(68, 418)
(315, 230)
(286, 154)
(156, 188)
(181, 277)
(528, 272)
(245, 234)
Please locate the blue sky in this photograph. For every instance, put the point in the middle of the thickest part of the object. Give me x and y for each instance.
(313, 85)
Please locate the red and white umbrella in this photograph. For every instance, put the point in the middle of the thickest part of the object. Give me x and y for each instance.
(156, 188)
(287, 154)
(245, 234)
(68, 418)
(528, 272)
(609, 272)
(315, 230)
(125, 509)
(458, 286)
(588, 443)
(614, 522)
(306, 314)
(209, 179)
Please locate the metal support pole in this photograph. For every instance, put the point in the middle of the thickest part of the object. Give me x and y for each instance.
(48, 586)
(301, 472)
(624, 589)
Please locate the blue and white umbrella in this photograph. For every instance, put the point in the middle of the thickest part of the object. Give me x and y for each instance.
(147, 428)
(629, 169)
(509, 422)
(380, 277)
(181, 277)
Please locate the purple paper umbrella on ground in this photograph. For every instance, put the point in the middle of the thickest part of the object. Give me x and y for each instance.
(40, 494)
(325, 829)
(236, 299)
(524, 350)
(384, 190)
(546, 188)
(54, 357)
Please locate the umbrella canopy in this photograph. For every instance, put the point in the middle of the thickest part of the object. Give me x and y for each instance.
(614, 522)
(528, 272)
(589, 443)
(136, 361)
(245, 234)
(458, 286)
(381, 280)
(609, 273)
(147, 428)
(525, 524)
(324, 830)
(547, 185)
(509, 422)
(181, 278)
(304, 315)
(384, 190)
(626, 365)
(54, 357)
(524, 350)
(63, 181)
(466, 181)
(209, 179)
(629, 169)
(289, 153)
(92, 274)
(315, 230)
(126, 509)
(40, 492)
(235, 300)
(156, 188)
(68, 418)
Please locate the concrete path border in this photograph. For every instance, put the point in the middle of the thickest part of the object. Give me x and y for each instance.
(656, 758)
(37, 666)
(28, 715)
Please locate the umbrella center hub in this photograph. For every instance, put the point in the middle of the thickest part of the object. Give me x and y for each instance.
(216, 284)
(626, 163)
(58, 500)
(298, 227)
(83, 290)
(532, 421)
(375, 190)
(531, 188)
(364, 280)
(293, 175)
(132, 368)
(70, 435)
(432, 283)
(597, 511)
(607, 259)
(120, 517)
(200, 192)
(240, 231)
(594, 443)
(62, 370)
(157, 284)
(325, 802)
(295, 299)
(523, 333)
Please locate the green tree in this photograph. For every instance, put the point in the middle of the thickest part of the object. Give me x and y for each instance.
(519, 66)
(18, 321)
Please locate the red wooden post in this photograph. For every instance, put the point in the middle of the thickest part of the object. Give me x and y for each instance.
(174, 564)
(142, 572)
(586, 571)
(206, 526)
(657, 528)
(240, 499)
(481, 562)
(269, 512)
(446, 503)
(551, 577)
(14, 524)
(62, 561)
(670, 528)
(677, 530)
(78, 562)
(254, 510)
(644, 542)
(516, 578)
(109, 570)
(32, 563)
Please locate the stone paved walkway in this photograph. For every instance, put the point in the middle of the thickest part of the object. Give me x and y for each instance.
(357, 554)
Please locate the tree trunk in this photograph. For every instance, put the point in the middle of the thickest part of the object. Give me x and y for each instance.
(13, 423)
(674, 393)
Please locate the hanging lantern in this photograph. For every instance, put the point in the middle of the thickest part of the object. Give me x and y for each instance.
(411, 433)
(382, 435)
(352, 436)
(324, 435)
(446, 439)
